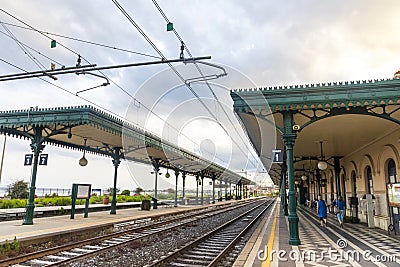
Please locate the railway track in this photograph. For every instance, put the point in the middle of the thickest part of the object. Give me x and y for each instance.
(125, 233)
(213, 248)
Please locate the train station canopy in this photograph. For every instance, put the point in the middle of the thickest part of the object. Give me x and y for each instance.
(86, 128)
(342, 116)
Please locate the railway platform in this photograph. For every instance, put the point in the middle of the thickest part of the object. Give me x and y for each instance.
(49, 227)
(352, 245)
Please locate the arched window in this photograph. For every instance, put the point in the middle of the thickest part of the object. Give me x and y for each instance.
(370, 185)
(354, 182)
(392, 171)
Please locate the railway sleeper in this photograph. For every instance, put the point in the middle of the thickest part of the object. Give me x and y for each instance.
(214, 245)
(193, 262)
(68, 253)
(55, 257)
(41, 262)
(202, 256)
(217, 241)
(82, 250)
(93, 247)
(202, 252)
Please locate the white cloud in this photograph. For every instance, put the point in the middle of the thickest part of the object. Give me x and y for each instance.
(285, 42)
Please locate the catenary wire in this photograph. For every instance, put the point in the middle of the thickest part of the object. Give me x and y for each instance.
(163, 57)
(83, 41)
(201, 73)
(24, 50)
(31, 48)
(126, 92)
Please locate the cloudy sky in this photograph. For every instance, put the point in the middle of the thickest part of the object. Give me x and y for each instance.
(261, 43)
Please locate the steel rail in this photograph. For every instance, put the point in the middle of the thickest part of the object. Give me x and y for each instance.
(204, 212)
(188, 247)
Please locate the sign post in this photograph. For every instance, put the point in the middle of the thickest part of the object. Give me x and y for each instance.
(80, 191)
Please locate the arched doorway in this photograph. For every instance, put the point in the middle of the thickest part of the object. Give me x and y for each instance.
(392, 186)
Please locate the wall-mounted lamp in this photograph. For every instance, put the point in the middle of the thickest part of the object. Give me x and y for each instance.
(303, 177)
(83, 161)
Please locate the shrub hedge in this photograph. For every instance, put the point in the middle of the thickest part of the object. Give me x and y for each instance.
(65, 201)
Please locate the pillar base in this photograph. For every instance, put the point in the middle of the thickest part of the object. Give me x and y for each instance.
(294, 230)
(29, 214)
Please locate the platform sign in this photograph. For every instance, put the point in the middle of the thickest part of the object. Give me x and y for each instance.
(277, 156)
(28, 159)
(43, 159)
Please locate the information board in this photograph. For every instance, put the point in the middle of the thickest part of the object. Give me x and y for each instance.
(83, 191)
(393, 191)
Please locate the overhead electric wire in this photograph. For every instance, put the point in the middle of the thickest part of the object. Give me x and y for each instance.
(26, 52)
(43, 55)
(83, 41)
(69, 92)
(126, 92)
(204, 79)
(163, 57)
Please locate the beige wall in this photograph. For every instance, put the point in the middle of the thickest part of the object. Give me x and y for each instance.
(376, 155)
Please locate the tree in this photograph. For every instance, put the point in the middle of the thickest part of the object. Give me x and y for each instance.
(111, 190)
(171, 191)
(18, 189)
(138, 190)
(126, 192)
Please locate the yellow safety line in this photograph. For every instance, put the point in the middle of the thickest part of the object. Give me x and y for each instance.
(267, 261)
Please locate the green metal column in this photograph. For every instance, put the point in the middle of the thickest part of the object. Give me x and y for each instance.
(202, 188)
(156, 167)
(220, 190)
(213, 189)
(37, 147)
(197, 189)
(289, 137)
(336, 166)
(284, 172)
(116, 161)
(226, 190)
(283, 187)
(176, 188)
(183, 187)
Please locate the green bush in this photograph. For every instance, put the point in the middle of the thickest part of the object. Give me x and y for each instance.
(65, 201)
(7, 246)
(95, 199)
(54, 201)
(126, 192)
(12, 203)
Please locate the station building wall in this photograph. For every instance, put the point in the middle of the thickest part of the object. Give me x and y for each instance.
(375, 155)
